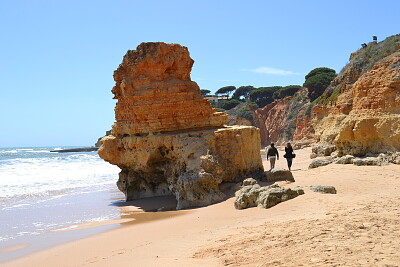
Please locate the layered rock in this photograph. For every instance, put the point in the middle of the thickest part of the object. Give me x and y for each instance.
(157, 75)
(167, 139)
(365, 116)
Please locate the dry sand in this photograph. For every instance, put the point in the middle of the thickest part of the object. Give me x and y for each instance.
(359, 226)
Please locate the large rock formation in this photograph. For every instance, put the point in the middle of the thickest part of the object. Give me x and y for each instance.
(363, 115)
(167, 139)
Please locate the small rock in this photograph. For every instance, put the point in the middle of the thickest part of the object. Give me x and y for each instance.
(278, 175)
(348, 159)
(395, 158)
(323, 149)
(371, 161)
(249, 181)
(245, 182)
(335, 154)
(325, 189)
(319, 162)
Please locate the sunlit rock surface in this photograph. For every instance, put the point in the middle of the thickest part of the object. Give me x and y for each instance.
(167, 139)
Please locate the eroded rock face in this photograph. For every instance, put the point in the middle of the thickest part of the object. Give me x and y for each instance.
(285, 120)
(167, 139)
(366, 116)
(157, 75)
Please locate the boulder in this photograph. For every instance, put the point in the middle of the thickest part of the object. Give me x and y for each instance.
(395, 158)
(278, 175)
(381, 160)
(348, 159)
(264, 197)
(246, 197)
(273, 196)
(319, 162)
(325, 189)
(323, 149)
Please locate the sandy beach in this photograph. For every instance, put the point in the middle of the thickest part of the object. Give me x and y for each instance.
(358, 226)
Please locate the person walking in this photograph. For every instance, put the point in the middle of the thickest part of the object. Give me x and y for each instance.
(289, 155)
(272, 155)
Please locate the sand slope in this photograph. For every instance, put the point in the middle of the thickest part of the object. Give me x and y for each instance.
(359, 226)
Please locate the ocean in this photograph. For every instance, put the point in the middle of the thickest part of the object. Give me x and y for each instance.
(42, 192)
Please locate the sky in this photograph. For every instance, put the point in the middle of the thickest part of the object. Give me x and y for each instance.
(57, 58)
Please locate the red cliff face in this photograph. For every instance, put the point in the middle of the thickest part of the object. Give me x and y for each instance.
(285, 120)
(271, 120)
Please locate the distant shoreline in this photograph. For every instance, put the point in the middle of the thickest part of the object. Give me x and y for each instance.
(79, 149)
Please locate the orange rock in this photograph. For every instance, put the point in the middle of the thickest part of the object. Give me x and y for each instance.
(279, 121)
(366, 116)
(157, 76)
(167, 139)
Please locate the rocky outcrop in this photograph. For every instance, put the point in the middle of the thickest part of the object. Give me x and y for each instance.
(363, 115)
(264, 197)
(167, 139)
(157, 76)
(285, 120)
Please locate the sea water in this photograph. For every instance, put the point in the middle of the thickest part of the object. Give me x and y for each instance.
(43, 191)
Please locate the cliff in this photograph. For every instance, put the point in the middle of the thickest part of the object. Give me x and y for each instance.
(284, 120)
(359, 112)
(167, 139)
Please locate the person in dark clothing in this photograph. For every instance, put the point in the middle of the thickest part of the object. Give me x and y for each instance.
(289, 155)
(272, 155)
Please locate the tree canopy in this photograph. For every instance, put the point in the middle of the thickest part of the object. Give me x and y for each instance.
(286, 91)
(230, 104)
(204, 92)
(321, 70)
(317, 81)
(242, 91)
(263, 95)
(225, 90)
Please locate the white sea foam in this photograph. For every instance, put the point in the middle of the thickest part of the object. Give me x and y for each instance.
(26, 177)
(42, 191)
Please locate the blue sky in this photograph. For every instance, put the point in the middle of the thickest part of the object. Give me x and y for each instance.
(57, 57)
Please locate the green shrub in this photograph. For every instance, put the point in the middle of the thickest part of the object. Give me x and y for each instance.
(263, 96)
(286, 91)
(317, 81)
(229, 104)
(246, 114)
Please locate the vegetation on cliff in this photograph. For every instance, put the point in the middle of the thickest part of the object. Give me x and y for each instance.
(318, 80)
(360, 62)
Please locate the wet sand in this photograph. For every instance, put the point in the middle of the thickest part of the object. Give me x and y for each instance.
(356, 227)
